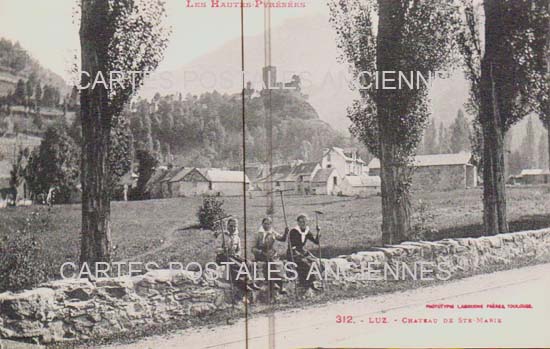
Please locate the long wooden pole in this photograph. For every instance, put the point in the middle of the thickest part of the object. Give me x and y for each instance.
(288, 242)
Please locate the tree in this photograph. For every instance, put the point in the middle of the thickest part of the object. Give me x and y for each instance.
(542, 100)
(29, 90)
(38, 95)
(147, 162)
(19, 93)
(508, 153)
(121, 152)
(527, 148)
(55, 163)
(47, 96)
(444, 143)
(430, 138)
(123, 35)
(542, 152)
(514, 163)
(460, 133)
(504, 74)
(413, 36)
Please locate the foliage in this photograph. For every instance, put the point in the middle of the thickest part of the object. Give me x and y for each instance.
(543, 152)
(506, 71)
(17, 61)
(522, 41)
(146, 167)
(115, 35)
(121, 152)
(135, 38)
(19, 93)
(23, 262)
(423, 227)
(210, 212)
(424, 46)
(430, 139)
(413, 36)
(55, 163)
(460, 134)
(207, 129)
(528, 146)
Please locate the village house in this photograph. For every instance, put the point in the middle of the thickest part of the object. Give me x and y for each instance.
(531, 176)
(302, 174)
(227, 183)
(345, 161)
(280, 179)
(178, 181)
(164, 182)
(439, 171)
(360, 185)
(325, 182)
(191, 182)
(153, 185)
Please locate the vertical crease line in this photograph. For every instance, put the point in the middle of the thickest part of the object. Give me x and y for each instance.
(244, 170)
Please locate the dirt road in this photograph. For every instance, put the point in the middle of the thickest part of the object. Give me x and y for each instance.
(399, 319)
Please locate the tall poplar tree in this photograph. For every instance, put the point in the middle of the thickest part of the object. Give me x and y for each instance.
(410, 36)
(505, 71)
(115, 35)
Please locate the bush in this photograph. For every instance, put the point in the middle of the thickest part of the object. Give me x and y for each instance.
(23, 264)
(423, 227)
(210, 211)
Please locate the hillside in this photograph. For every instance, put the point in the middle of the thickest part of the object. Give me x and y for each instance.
(16, 63)
(206, 130)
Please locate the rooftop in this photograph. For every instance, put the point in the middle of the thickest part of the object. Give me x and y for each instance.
(215, 175)
(534, 172)
(322, 175)
(363, 181)
(433, 160)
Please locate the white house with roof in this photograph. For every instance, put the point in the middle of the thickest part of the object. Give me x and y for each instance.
(360, 185)
(325, 182)
(201, 181)
(227, 183)
(345, 161)
(531, 176)
(177, 183)
(439, 171)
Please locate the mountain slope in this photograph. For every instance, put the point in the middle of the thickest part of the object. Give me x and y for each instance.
(304, 46)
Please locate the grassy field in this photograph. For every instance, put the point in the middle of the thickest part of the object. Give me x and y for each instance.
(165, 230)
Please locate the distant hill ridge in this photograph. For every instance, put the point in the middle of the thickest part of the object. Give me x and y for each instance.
(16, 63)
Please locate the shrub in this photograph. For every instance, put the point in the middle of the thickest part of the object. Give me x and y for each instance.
(423, 227)
(210, 211)
(23, 263)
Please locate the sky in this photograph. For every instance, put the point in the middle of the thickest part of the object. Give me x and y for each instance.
(47, 31)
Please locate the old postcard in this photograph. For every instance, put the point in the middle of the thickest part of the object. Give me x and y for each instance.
(274, 174)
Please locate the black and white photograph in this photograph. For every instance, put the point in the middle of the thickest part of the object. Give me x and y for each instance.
(274, 174)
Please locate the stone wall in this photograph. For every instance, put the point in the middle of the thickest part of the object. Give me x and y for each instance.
(78, 309)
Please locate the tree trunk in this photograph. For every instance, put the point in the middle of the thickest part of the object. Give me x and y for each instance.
(393, 169)
(548, 138)
(494, 190)
(96, 123)
(396, 206)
